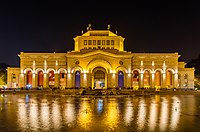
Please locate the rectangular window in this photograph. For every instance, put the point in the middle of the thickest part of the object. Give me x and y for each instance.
(103, 42)
(107, 42)
(89, 42)
(85, 42)
(94, 42)
(98, 42)
(112, 42)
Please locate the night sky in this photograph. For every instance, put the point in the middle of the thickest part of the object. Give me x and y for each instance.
(51, 26)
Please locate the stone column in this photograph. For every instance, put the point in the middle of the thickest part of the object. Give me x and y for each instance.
(112, 80)
(45, 82)
(164, 80)
(141, 80)
(152, 80)
(33, 81)
(129, 80)
(69, 80)
(84, 80)
(175, 82)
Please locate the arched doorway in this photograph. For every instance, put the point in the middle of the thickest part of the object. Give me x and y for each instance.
(169, 79)
(99, 78)
(29, 80)
(51, 78)
(77, 79)
(40, 79)
(146, 79)
(157, 79)
(62, 77)
(120, 79)
(135, 79)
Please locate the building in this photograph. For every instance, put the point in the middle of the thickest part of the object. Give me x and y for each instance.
(100, 61)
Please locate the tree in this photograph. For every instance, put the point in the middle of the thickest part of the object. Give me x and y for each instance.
(3, 73)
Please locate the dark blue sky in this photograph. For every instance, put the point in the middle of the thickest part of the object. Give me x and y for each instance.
(51, 27)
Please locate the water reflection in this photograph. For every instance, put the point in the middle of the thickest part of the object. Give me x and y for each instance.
(164, 114)
(44, 115)
(111, 116)
(175, 110)
(69, 113)
(85, 115)
(141, 119)
(152, 113)
(129, 112)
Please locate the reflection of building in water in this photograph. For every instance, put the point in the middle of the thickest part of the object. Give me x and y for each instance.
(99, 60)
(85, 115)
(69, 112)
(142, 112)
(129, 112)
(164, 114)
(152, 114)
(111, 117)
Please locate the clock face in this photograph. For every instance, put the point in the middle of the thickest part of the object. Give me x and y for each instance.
(121, 62)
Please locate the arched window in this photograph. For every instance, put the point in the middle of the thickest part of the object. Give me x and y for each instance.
(120, 79)
(77, 79)
(157, 78)
(169, 78)
(62, 78)
(29, 79)
(135, 78)
(146, 78)
(51, 78)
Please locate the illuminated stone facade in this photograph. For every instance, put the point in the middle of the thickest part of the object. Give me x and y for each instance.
(99, 61)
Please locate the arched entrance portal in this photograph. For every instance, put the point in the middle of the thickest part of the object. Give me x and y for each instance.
(99, 78)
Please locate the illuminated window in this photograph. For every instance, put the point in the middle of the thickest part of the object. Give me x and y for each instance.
(107, 42)
(98, 42)
(120, 79)
(90, 42)
(99, 74)
(77, 79)
(94, 42)
(112, 42)
(85, 42)
(103, 42)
